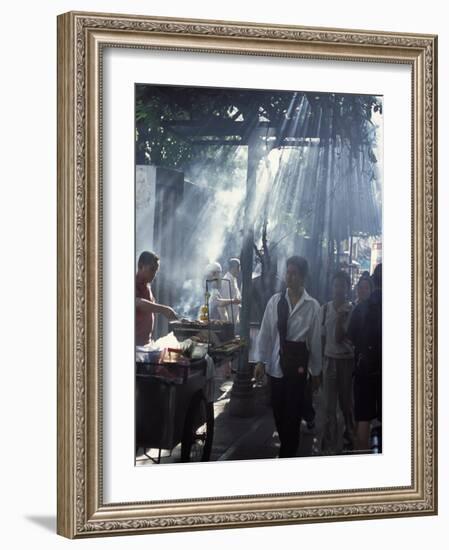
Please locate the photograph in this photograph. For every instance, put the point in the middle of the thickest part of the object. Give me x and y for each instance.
(258, 274)
(231, 351)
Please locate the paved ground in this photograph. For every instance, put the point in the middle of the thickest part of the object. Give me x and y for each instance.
(237, 438)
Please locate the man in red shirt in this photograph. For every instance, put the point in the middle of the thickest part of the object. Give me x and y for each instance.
(146, 305)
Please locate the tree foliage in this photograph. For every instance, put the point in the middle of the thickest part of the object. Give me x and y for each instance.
(207, 109)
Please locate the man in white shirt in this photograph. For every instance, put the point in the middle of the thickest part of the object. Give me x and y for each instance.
(231, 290)
(217, 303)
(288, 348)
(338, 364)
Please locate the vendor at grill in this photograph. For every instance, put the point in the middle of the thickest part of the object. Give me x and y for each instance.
(146, 305)
(217, 304)
(231, 289)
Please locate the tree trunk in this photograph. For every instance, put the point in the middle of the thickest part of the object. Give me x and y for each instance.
(247, 254)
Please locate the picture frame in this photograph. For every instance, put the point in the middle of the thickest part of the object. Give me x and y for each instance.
(82, 39)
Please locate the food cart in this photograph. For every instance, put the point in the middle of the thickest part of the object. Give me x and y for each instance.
(173, 407)
(175, 393)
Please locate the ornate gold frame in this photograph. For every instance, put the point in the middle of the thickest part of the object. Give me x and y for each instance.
(81, 37)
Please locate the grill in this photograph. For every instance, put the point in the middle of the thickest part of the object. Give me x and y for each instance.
(219, 331)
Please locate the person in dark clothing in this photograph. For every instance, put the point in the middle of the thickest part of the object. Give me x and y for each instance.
(364, 288)
(289, 350)
(365, 332)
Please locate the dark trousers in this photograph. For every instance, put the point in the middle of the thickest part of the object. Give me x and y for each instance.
(287, 400)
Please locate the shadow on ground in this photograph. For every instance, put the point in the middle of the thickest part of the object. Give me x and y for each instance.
(46, 522)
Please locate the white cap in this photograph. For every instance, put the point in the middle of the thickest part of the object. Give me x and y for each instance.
(213, 268)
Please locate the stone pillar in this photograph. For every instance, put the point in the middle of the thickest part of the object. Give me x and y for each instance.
(242, 402)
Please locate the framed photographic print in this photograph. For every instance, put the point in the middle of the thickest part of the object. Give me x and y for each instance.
(246, 274)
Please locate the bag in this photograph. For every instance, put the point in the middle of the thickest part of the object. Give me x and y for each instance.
(292, 355)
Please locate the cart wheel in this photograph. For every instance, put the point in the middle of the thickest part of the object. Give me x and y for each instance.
(196, 444)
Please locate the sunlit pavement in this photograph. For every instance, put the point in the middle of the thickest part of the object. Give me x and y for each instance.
(254, 437)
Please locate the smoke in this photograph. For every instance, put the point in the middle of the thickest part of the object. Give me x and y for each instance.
(207, 228)
(192, 296)
(318, 190)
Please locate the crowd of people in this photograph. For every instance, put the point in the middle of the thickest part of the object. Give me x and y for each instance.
(301, 347)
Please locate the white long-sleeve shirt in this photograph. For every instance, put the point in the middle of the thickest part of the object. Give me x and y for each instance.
(233, 309)
(303, 325)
